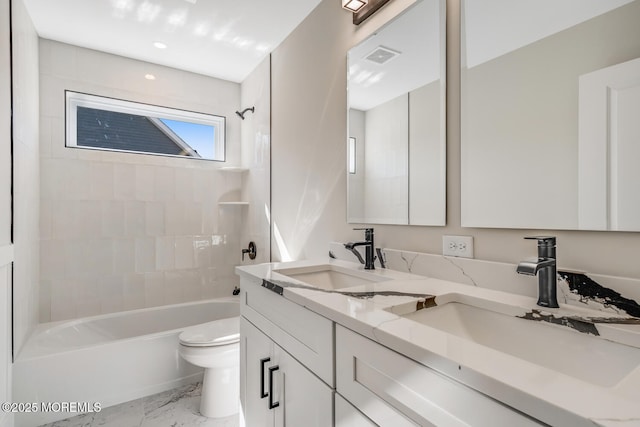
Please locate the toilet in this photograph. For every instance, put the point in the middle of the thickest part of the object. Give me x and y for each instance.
(215, 346)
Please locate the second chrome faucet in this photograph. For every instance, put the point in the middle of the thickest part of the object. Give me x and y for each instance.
(545, 267)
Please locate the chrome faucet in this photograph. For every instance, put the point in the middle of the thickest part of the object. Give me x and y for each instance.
(369, 249)
(545, 267)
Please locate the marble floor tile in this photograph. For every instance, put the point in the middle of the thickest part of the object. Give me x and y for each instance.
(173, 408)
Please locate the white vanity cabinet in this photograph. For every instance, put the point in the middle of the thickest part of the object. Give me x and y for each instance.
(278, 390)
(307, 336)
(286, 361)
(393, 390)
(298, 368)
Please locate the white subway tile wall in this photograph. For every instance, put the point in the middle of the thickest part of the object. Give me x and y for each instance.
(124, 231)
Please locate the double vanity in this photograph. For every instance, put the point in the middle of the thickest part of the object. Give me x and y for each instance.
(330, 343)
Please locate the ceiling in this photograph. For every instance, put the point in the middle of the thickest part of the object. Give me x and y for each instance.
(495, 27)
(417, 38)
(490, 28)
(220, 38)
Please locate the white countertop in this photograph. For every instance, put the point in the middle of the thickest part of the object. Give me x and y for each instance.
(543, 393)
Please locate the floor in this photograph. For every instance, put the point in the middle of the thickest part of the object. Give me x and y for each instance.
(173, 408)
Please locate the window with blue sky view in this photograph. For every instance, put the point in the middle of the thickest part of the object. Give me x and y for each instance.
(111, 124)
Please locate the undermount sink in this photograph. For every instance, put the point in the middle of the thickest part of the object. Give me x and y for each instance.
(330, 277)
(579, 355)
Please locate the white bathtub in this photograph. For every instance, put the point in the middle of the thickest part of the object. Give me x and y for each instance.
(109, 359)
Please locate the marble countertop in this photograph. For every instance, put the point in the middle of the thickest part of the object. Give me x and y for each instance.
(374, 309)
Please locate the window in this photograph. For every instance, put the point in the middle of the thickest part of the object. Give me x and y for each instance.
(352, 155)
(100, 123)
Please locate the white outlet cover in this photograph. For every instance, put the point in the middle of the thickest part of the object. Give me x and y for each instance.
(458, 246)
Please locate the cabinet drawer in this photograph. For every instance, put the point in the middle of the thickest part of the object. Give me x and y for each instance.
(392, 389)
(304, 334)
(348, 416)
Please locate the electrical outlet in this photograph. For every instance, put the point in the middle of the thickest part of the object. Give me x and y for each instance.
(460, 246)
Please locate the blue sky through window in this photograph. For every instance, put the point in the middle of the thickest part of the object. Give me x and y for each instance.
(200, 137)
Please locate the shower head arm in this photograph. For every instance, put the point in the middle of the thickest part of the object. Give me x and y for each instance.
(241, 114)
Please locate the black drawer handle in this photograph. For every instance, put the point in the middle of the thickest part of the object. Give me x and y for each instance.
(262, 362)
(272, 404)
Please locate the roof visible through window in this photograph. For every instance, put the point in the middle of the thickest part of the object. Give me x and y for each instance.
(110, 124)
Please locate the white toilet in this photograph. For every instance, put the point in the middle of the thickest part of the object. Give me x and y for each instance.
(215, 346)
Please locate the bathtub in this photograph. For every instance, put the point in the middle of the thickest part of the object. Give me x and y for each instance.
(110, 358)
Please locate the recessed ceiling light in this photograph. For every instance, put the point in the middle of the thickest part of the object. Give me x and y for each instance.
(160, 45)
(149, 77)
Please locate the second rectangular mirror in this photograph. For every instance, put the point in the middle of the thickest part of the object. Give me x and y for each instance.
(396, 141)
(550, 102)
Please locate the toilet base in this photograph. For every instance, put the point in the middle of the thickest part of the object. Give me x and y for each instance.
(220, 392)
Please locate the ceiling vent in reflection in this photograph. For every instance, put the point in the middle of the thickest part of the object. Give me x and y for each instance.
(382, 55)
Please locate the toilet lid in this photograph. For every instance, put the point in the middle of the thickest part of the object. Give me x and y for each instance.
(219, 332)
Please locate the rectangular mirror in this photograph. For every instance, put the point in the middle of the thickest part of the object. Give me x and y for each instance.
(397, 142)
(550, 107)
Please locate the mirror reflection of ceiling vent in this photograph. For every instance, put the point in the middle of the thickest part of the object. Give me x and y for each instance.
(382, 55)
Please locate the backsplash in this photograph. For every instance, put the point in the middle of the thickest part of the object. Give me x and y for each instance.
(616, 295)
(588, 291)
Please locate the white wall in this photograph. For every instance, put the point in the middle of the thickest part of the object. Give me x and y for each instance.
(6, 248)
(5, 126)
(309, 131)
(124, 231)
(309, 125)
(256, 156)
(26, 174)
(6, 371)
(308, 118)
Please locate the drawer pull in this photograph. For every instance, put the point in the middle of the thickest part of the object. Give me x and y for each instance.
(262, 362)
(272, 404)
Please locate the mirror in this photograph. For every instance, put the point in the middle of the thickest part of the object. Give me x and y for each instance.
(396, 142)
(550, 105)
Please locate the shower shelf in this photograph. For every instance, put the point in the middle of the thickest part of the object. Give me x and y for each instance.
(233, 203)
(233, 169)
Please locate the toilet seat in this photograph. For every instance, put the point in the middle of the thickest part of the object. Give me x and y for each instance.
(212, 334)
